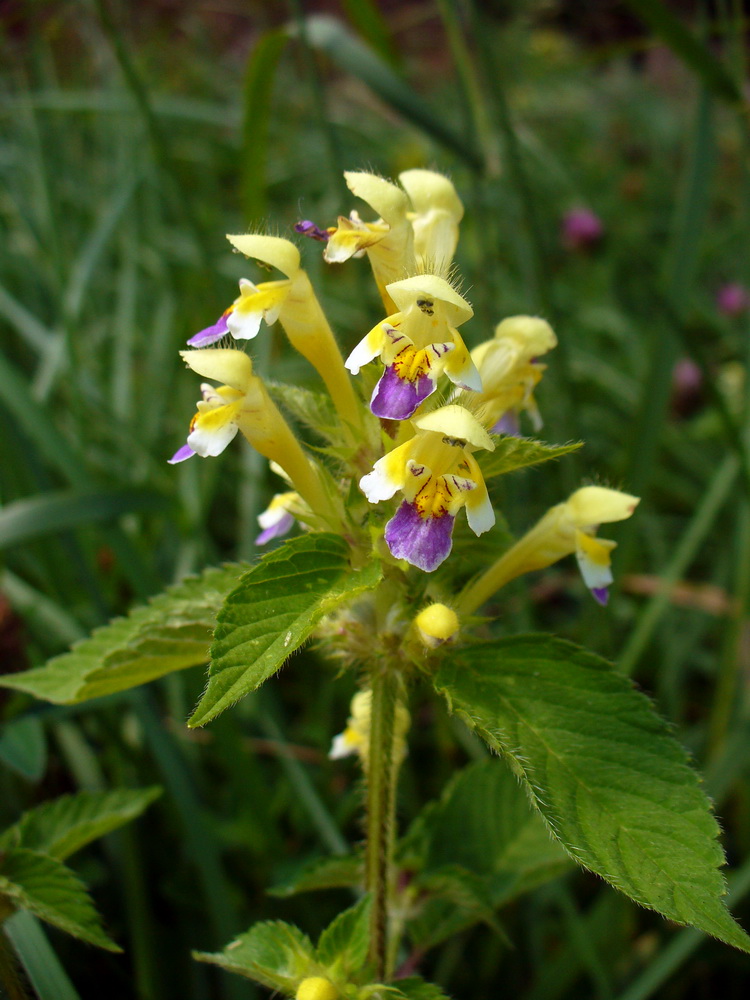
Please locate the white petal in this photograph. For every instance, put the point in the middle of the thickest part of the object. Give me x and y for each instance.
(211, 443)
(244, 325)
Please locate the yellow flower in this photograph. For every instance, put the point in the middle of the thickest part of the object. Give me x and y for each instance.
(567, 528)
(355, 739)
(243, 404)
(437, 475)
(294, 303)
(510, 372)
(416, 228)
(417, 345)
(436, 624)
(316, 988)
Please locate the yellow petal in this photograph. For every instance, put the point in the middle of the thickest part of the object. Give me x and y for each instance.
(535, 335)
(598, 505)
(456, 422)
(388, 200)
(271, 250)
(231, 367)
(428, 189)
(455, 308)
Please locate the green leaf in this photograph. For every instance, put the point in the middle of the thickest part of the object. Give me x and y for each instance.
(456, 898)
(687, 47)
(485, 823)
(59, 511)
(23, 746)
(272, 612)
(416, 988)
(313, 409)
(337, 872)
(273, 953)
(513, 453)
(602, 768)
(343, 945)
(65, 825)
(47, 888)
(170, 633)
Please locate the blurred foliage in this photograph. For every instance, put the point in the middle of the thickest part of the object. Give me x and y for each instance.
(133, 136)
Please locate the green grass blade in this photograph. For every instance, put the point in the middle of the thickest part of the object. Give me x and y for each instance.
(354, 56)
(64, 509)
(257, 94)
(38, 958)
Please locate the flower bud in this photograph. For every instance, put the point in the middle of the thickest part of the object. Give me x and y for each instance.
(316, 988)
(436, 624)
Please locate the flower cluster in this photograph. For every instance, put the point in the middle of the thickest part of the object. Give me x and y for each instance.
(435, 408)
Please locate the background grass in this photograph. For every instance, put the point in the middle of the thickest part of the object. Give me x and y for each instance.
(134, 135)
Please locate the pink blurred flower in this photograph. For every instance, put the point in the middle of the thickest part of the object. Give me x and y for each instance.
(733, 299)
(581, 229)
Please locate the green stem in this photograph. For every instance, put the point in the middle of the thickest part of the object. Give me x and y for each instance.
(381, 773)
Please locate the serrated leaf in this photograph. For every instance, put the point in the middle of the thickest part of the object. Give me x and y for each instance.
(170, 633)
(485, 823)
(337, 872)
(343, 945)
(518, 453)
(273, 953)
(47, 888)
(416, 988)
(469, 899)
(23, 746)
(602, 768)
(273, 610)
(63, 826)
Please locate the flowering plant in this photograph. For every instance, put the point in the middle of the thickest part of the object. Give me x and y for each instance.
(414, 427)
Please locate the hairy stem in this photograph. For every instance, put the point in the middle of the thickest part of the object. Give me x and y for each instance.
(381, 774)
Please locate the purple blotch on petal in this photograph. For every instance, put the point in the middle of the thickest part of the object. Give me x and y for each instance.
(212, 333)
(308, 228)
(508, 424)
(423, 541)
(601, 594)
(281, 527)
(181, 455)
(395, 398)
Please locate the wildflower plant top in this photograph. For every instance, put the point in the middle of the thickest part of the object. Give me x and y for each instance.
(372, 575)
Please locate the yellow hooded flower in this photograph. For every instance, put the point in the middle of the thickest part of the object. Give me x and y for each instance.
(417, 345)
(567, 528)
(243, 404)
(437, 475)
(510, 372)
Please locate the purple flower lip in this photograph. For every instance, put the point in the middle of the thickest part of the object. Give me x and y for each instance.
(423, 541)
(601, 595)
(308, 228)
(181, 455)
(395, 398)
(281, 527)
(212, 333)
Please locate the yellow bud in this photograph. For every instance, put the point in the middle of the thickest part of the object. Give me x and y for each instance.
(436, 624)
(316, 988)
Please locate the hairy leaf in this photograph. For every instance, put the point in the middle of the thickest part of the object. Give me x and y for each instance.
(343, 945)
(65, 825)
(602, 768)
(170, 633)
(485, 823)
(273, 953)
(273, 610)
(47, 888)
(518, 453)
